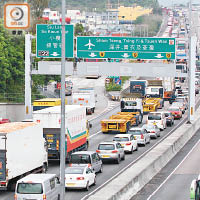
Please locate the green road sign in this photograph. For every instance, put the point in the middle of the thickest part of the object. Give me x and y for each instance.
(126, 48)
(48, 43)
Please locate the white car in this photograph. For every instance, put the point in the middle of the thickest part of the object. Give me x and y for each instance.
(79, 177)
(128, 141)
(140, 134)
(153, 130)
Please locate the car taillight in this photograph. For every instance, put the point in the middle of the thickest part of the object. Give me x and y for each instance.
(97, 151)
(152, 131)
(129, 143)
(44, 197)
(3, 183)
(115, 151)
(80, 178)
(15, 197)
(142, 136)
(89, 165)
(70, 164)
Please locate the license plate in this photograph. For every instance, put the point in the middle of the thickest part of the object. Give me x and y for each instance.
(105, 156)
(50, 141)
(122, 145)
(112, 126)
(49, 135)
(70, 184)
(154, 123)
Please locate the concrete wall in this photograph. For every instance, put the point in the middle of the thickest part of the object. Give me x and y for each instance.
(14, 112)
(130, 181)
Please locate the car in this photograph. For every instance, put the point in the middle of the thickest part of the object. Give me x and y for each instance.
(69, 83)
(87, 157)
(181, 105)
(169, 118)
(111, 150)
(141, 135)
(128, 141)
(158, 119)
(183, 99)
(176, 112)
(79, 177)
(153, 130)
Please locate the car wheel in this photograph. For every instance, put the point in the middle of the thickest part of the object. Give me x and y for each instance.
(144, 143)
(123, 158)
(101, 169)
(95, 181)
(118, 160)
(87, 186)
(161, 129)
(131, 150)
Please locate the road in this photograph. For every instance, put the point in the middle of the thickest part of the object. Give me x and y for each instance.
(109, 169)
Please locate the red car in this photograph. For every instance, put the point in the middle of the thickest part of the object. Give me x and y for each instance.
(176, 112)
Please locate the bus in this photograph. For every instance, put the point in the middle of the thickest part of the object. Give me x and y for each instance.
(46, 103)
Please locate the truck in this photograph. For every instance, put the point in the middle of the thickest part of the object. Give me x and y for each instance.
(151, 104)
(121, 122)
(132, 105)
(76, 130)
(154, 90)
(138, 87)
(23, 151)
(68, 88)
(85, 97)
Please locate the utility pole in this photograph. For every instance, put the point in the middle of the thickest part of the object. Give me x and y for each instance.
(62, 133)
(192, 50)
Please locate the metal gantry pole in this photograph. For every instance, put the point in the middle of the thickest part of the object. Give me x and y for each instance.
(192, 50)
(62, 133)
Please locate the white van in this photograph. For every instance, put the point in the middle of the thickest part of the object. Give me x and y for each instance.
(38, 187)
(158, 119)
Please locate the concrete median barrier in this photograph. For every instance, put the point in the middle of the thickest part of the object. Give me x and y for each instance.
(130, 181)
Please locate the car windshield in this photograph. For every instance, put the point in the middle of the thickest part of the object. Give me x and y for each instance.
(29, 188)
(135, 132)
(106, 147)
(167, 114)
(121, 139)
(180, 100)
(154, 116)
(80, 158)
(148, 126)
(74, 170)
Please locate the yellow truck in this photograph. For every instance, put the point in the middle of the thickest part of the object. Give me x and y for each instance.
(120, 122)
(151, 104)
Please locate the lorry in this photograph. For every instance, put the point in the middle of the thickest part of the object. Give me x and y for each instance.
(132, 105)
(150, 104)
(85, 97)
(138, 87)
(23, 151)
(121, 122)
(77, 129)
(154, 90)
(68, 88)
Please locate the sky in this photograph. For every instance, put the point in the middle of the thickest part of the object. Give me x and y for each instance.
(169, 2)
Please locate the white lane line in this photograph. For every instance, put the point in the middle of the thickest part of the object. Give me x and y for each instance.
(144, 153)
(173, 171)
(94, 134)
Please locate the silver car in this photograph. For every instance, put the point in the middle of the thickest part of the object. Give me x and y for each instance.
(153, 130)
(87, 157)
(111, 151)
(141, 135)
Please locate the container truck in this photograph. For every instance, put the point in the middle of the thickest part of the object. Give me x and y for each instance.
(85, 97)
(22, 151)
(138, 87)
(76, 129)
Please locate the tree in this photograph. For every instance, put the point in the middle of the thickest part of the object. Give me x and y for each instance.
(79, 29)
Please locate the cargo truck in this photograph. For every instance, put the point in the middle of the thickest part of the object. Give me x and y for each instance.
(138, 87)
(85, 97)
(22, 151)
(132, 105)
(76, 129)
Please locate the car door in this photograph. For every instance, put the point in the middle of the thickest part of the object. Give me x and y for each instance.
(120, 149)
(133, 142)
(89, 175)
(146, 135)
(94, 162)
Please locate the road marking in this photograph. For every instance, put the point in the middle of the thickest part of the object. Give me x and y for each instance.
(173, 171)
(128, 164)
(94, 134)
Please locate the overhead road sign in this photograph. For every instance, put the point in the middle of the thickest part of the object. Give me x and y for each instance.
(126, 48)
(48, 41)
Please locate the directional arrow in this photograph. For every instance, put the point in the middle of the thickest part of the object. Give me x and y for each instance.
(125, 55)
(92, 55)
(55, 54)
(159, 56)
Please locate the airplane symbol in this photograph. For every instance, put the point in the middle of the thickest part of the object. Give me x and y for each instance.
(89, 44)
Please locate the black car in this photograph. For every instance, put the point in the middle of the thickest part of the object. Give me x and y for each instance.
(169, 118)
